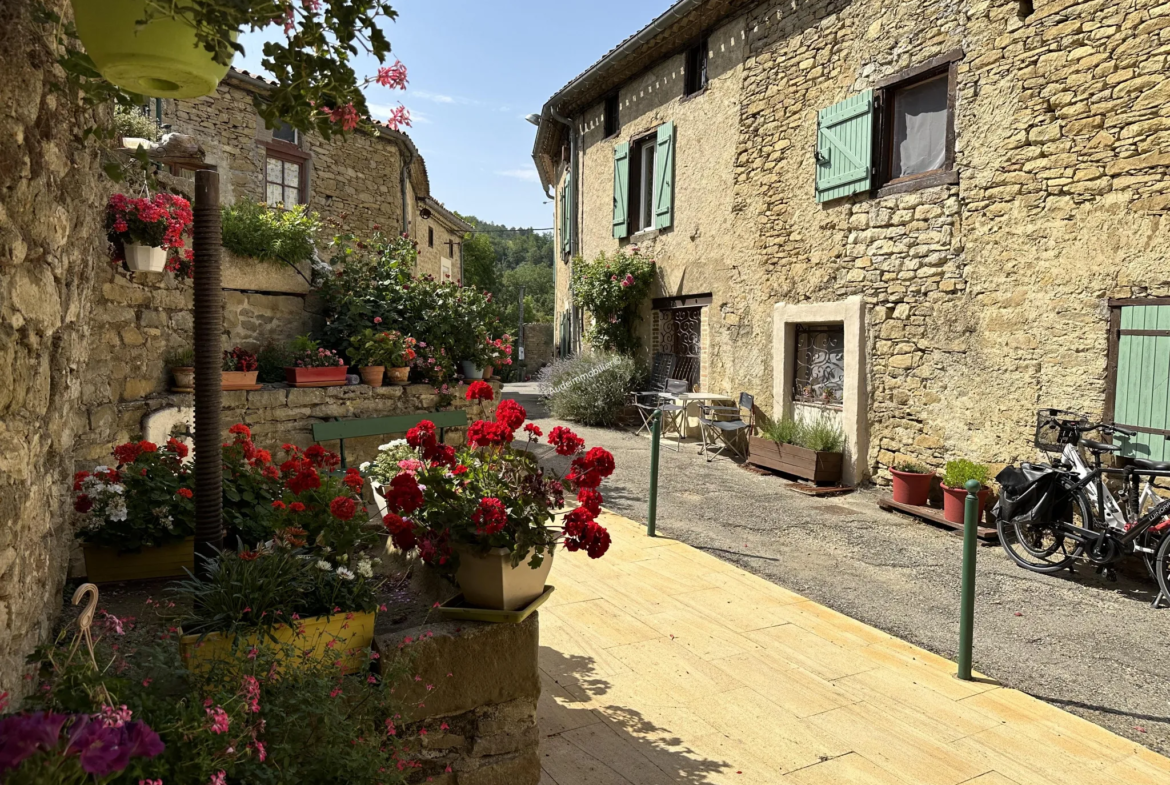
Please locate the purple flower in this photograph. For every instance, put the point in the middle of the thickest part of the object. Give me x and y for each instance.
(22, 735)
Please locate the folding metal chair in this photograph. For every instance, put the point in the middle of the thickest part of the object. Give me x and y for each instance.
(647, 401)
(721, 426)
(674, 414)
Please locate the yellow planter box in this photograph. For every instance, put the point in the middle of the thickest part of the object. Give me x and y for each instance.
(107, 565)
(351, 635)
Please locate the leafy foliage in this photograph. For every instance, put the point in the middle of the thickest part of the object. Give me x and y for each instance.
(390, 349)
(589, 389)
(501, 260)
(270, 234)
(181, 358)
(129, 121)
(911, 467)
(613, 289)
(272, 359)
(823, 434)
(957, 473)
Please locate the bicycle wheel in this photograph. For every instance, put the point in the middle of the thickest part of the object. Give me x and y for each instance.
(1162, 567)
(1040, 546)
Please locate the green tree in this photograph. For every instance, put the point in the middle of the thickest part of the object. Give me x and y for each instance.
(479, 263)
(502, 259)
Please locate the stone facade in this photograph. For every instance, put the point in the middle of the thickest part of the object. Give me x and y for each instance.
(51, 244)
(538, 346)
(986, 298)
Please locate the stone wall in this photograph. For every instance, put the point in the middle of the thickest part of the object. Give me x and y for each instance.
(538, 345)
(51, 243)
(277, 414)
(985, 299)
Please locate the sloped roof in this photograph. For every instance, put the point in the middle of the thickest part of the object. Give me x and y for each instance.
(674, 29)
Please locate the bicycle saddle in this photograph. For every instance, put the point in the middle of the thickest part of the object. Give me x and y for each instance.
(1143, 463)
(1099, 446)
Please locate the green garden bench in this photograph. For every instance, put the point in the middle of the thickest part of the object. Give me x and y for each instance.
(382, 426)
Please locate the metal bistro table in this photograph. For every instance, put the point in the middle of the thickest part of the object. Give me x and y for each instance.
(691, 401)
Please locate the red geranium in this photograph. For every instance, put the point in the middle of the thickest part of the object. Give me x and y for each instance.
(343, 508)
(241, 429)
(584, 533)
(590, 499)
(401, 531)
(480, 391)
(511, 413)
(565, 441)
(482, 433)
(534, 429)
(353, 479)
(305, 479)
(186, 493)
(421, 435)
(403, 494)
(490, 517)
(177, 447)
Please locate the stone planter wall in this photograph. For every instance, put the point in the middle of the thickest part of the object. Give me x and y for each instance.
(277, 414)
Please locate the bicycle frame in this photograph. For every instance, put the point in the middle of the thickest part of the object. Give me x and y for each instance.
(1113, 515)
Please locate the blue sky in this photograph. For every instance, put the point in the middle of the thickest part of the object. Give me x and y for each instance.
(476, 68)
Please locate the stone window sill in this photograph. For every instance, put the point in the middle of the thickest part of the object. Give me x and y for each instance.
(910, 184)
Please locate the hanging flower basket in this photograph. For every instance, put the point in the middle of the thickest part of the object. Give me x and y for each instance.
(147, 229)
(162, 59)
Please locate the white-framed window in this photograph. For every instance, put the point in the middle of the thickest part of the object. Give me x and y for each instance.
(643, 186)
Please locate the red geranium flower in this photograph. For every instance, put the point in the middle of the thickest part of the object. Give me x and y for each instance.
(480, 391)
(297, 507)
(186, 493)
(83, 503)
(443, 455)
(421, 435)
(177, 447)
(584, 533)
(403, 494)
(241, 430)
(600, 460)
(565, 441)
(305, 479)
(343, 508)
(534, 429)
(353, 479)
(590, 499)
(490, 517)
(401, 531)
(511, 414)
(482, 433)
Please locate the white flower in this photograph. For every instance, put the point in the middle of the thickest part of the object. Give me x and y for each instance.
(117, 510)
(392, 444)
(345, 573)
(365, 568)
(363, 467)
(117, 488)
(324, 565)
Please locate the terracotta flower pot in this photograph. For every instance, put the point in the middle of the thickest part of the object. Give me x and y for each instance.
(471, 370)
(372, 374)
(911, 487)
(146, 258)
(330, 376)
(184, 377)
(955, 500)
(487, 372)
(398, 375)
(238, 380)
(163, 59)
(490, 580)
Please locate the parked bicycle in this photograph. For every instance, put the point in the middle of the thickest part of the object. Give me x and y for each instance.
(1052, 515)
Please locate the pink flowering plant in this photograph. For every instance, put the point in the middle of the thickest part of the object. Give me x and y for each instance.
(143, 501)
(133, 714)
(161, 221)
(307, 353)
(388, 348)
(613, 289)
(494, 493)
(500, 351)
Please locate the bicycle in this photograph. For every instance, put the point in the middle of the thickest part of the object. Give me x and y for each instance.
(1050, 516)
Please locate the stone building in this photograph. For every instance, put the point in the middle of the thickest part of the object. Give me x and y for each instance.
(926, 219)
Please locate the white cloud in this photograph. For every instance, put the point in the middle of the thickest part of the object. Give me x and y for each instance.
(437, 98)
(527, 173)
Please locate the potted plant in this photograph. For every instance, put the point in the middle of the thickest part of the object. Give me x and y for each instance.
(240, 368)
(499, 354)
(376, 351)
(955, 478)
(182, 365)
(142, 231)
(313, 366)
(809, 450)
(911, 483)
(137, 518)
(487, 513)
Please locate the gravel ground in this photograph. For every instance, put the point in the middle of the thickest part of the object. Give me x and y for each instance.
(1094, 648)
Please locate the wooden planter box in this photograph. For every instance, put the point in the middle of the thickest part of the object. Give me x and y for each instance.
(108, 565)
(798, 461)
(331, 376)
(352, 634)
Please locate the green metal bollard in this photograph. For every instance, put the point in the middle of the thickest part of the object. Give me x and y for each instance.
(655, 436)
(967, 600)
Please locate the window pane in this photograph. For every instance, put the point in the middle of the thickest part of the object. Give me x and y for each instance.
(648, 186)
(820, 365)
(292, 173)
(285, 133)
(292, 195)
(273, 193)
(920, 128)
(273, 170)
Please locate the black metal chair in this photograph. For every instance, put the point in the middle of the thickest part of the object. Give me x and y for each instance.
(722, 426)
(647, 401)
(674, 414)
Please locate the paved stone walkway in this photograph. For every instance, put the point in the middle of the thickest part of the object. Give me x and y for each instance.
(663, 664)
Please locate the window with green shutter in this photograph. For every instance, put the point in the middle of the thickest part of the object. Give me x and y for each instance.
(567, 214)
(845, 148)
(1142, 380)
(664, 177)
(621, 190)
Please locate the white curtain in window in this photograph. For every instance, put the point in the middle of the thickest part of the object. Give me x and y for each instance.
(920, 128)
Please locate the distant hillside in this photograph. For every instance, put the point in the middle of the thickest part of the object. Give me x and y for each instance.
(501, 259)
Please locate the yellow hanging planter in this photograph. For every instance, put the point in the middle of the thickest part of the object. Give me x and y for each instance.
(161, 60)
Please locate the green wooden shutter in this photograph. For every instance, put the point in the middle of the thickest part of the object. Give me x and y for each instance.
(1143, 376)
(566, 214)
(845, 148)
(621, 190)
(664, 177)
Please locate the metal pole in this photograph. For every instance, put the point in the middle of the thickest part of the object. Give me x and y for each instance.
(655, 435)
(208, 361)
(967, 599)
(521, 364)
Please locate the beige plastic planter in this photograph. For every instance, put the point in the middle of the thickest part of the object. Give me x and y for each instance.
(490, 580)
